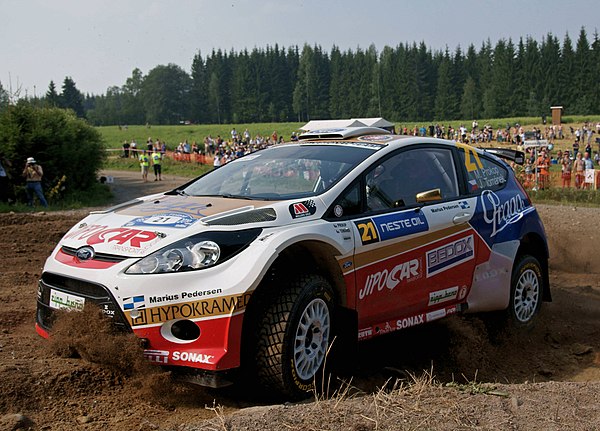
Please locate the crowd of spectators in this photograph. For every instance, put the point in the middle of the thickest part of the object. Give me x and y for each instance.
(535, 172)
(215, 150)
(514, 134)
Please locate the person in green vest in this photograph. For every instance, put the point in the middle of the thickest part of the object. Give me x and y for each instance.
(156, 161)
(144, 164)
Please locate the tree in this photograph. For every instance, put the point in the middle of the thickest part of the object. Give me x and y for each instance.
(583, 78)
(165, 95)
(445, 99)
(199, 90)
(71, 97)
(52, 97)
(566, 71)
(498, 101)
(549, 68)
(64, 144)
(311, 95)
(470, 106)
(4, 99)
(214, 96)
(132, 108)
(595, 84)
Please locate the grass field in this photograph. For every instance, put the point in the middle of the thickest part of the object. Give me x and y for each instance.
(172, 135)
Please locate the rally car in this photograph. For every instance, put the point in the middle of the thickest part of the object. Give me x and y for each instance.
(349, 233)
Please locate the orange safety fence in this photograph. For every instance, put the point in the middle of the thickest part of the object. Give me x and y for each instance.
(197, 158)
(555, 180)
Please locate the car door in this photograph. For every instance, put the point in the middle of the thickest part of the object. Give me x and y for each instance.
(414, 249)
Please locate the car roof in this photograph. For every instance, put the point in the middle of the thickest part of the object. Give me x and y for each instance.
(365, 136)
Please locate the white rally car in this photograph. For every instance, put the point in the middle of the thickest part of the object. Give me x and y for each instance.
(350, 233)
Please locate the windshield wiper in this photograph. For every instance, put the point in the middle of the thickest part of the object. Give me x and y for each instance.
(230, 196)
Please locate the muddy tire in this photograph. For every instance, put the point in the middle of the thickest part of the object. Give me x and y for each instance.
(295, 332)
(526, 291)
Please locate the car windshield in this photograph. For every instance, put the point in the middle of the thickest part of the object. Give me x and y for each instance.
(279, 173)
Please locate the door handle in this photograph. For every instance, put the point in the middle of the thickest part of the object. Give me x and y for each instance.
(461, 218)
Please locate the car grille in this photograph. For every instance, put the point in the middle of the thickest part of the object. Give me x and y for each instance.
(103, 257)
(92, 292)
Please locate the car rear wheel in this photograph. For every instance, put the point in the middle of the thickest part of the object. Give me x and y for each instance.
(526, 291)
(295, 333)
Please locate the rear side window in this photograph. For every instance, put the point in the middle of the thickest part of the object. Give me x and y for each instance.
(482, 172)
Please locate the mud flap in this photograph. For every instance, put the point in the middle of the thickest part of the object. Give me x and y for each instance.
(345, 346)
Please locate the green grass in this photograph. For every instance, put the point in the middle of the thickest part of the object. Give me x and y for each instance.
(588, 198)
(169, 166)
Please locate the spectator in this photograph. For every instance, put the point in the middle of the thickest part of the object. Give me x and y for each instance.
(133, 148)
(144, 165)
(217, 160)
(579, 166)
(156, 163)
(543, 165)
(587, 164)
(126, 149)
(33, 174)
(590, 133)
(567, 167)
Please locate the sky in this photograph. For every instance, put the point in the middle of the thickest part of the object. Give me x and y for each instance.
(99, 43)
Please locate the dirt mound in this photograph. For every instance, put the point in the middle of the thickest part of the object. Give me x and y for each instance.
(101, 382)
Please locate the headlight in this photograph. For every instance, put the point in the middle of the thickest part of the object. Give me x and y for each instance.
(196, 252)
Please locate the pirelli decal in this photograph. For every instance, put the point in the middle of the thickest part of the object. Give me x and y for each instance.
(220, 306)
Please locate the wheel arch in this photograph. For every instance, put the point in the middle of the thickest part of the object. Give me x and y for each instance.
(308, 256)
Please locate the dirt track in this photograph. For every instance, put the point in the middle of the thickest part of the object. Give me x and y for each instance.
(547, 378)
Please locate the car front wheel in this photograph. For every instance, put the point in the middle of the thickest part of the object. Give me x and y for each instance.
(295, 336)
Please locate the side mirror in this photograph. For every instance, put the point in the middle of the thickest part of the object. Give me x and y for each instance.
(429, 196)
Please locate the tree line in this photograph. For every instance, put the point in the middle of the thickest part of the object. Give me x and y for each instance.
(409, 82)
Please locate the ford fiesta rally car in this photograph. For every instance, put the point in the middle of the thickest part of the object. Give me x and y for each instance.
(350, 233)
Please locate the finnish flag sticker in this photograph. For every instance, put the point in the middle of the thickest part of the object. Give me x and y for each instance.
(134, 302)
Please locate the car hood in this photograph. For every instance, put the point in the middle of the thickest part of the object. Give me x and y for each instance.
(145, 225)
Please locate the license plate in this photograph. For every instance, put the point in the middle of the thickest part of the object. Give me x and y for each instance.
(65, 301)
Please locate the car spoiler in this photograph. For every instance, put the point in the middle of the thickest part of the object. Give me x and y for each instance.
(516, 156)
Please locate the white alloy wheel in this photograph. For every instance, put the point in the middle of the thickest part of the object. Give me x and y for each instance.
(312, 339)
(526, 296)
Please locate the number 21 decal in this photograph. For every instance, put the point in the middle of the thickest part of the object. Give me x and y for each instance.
(368, 232)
